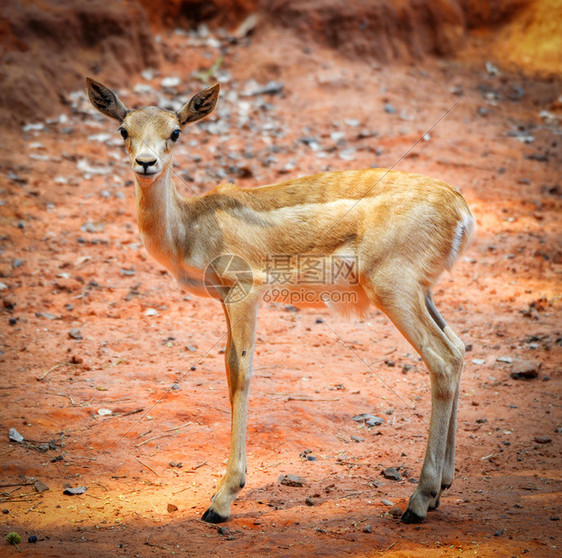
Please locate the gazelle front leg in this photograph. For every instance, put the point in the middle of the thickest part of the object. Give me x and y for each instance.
(241, 321)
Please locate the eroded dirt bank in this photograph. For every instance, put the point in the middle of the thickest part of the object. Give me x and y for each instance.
(90, 323)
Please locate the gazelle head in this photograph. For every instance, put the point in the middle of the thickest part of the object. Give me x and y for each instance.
(150, 132)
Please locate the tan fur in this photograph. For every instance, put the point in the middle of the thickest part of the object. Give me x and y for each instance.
(396, 231)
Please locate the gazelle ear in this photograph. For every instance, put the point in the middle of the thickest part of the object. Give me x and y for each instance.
(201, 105)
(105, 100)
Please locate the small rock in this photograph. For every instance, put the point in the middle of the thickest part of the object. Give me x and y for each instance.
(478, 361)
(40, 487)
(309, 502)
(74, 491)
(191, 348)
(387, 503)
(319, 320)
(481, 420)
(543, 439)
(492, 69)
(15, 436)
(389, 108)
(391, 473)
(75, 334)
(104, 412)
(224, 531)
(172, 508)
(151, 312)
(525, 369)
(36, 126)
(395, 511)
(272, 88)
(172, 81)
(291, 480)
(505, 359)
(348, 154)
(290, 308)
(369, 420)
(367, 529)
(32, 539)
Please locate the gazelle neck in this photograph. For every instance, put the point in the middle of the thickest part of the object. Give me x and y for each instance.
(159, 215)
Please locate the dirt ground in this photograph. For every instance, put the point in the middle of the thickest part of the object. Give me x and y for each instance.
(104, 356)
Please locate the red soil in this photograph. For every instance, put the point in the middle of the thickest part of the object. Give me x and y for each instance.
(71, 260)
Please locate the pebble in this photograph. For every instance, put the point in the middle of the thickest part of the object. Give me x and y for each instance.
(75, 333)
(309, 502)
(391, 473)
(543, 439)
(36, 127)
(32, 539)
(387, 502)
(395, 511)
(337, 136)
(348, 154)
(15, 436)
(506, 359)
(40, 487)
(389, 108)
(525, 369)
(74, 491)
(271, 88)
(367, 529)
(172, 81)
(291, 480)
(499, 533)
(151, 312)
(369, 420)
(104, 412)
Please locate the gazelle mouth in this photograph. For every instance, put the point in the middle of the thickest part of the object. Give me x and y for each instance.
(146, 174)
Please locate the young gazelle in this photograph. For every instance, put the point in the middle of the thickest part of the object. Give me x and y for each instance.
(393, 233)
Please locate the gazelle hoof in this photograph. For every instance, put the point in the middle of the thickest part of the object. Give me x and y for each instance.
(211, 516)
(411, 517)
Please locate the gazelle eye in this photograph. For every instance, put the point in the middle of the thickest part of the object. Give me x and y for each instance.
(124, 133)
(175, 135)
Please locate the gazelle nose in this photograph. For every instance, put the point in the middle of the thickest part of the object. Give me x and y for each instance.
(145, 164)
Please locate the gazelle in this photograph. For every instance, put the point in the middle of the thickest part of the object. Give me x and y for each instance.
(393, 233)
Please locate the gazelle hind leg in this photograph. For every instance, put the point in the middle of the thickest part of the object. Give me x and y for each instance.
(448, 473)
(409, 313)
